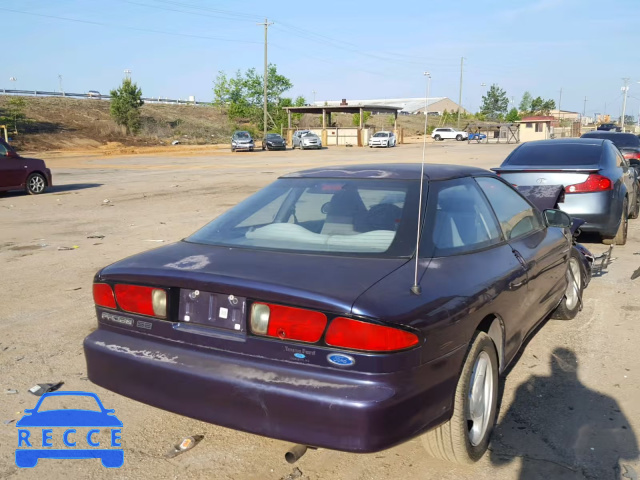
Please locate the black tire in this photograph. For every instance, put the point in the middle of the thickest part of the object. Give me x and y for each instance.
(451, 440)
(636, 211)
(251, 149)
(36, 184)
(233, 150)
(263, 148)
(459, 138)
(572, 299)
(621, 235)
(437, 138)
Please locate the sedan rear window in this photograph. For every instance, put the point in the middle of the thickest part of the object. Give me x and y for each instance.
(554, 154)
(352, 216)
(620, 140)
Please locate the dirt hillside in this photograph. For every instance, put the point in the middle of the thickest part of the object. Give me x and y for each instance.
(71, 124)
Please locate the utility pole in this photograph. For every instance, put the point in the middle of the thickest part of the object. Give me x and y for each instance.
(127, 74)
(314, 96)
(625, 90)
(266, 25)
(584, 108)
(60, 81)
(560, 107)
(460, 96)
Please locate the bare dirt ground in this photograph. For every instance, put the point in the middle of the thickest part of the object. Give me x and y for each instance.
(561, 417)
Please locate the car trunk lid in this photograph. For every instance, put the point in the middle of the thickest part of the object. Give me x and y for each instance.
(541, 175)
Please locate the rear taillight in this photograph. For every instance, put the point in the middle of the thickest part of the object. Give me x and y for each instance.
(632, 156)
(288, 323)
(593, 183)
(143, 300)
(358, 335)
(103, 295)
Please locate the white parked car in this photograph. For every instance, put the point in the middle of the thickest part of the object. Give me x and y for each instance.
(382, 139)
(306, 139)
(449, 133)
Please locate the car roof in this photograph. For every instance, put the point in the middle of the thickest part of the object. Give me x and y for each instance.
(396, 171)
(600, 133)
(567, 141)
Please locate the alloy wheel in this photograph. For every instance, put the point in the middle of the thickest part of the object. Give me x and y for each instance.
(480, 399)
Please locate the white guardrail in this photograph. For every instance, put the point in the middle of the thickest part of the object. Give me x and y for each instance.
(94, 96)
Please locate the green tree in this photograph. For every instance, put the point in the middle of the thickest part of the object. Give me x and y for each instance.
(15, 111)
(243, 95)
(540, 106)
(513, 115)
(126, 101)
(525, 103)
(495, 103)
(355, 120)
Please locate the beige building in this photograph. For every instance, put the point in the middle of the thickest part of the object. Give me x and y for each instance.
(535, 128)
(565, 115)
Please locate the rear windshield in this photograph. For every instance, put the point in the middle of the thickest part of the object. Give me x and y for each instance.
(352, 216)
(620, 140)
(554, 154)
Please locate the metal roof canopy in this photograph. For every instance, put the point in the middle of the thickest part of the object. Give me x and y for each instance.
(344, 109)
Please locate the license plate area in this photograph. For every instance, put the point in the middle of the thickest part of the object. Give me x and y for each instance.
(226, 312)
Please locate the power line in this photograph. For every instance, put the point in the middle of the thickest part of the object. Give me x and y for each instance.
(147, 30)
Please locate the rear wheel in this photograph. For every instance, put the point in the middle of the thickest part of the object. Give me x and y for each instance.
(36, 184)
(621, 236)
(570, 304)
(437, 138)
(465, 437)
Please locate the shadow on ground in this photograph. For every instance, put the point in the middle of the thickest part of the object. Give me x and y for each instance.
(56, 189)
(560, 429)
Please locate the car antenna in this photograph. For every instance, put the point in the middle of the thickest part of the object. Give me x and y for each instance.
(416, 289)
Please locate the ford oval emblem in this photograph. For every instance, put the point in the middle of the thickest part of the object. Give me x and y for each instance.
(341, 360)
(299, 355)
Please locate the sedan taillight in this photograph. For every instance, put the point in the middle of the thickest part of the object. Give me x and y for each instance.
(593, 183)
(632, 156)
(287, 323)
(143, 300)
(359, 335)
(103, 295)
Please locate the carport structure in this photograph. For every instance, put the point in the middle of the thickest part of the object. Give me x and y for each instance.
(494, 131)
(326, 111)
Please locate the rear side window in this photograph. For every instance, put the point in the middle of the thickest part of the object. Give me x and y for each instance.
(461, 220)
(516, 216)
(555, 154)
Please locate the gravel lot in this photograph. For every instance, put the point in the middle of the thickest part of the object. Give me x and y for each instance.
(570, 406)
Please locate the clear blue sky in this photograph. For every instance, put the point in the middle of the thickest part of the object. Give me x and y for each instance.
(340, 49)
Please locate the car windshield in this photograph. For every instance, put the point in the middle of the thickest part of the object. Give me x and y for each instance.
(242, 135)
(347, 216)
(381, 134)
(76, 402)
(273, 136)
(555, 153)
(309, 134)
(620, 140)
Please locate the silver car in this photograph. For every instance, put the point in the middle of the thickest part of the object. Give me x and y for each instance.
(600, 185)
(305, 139)
(242, 141)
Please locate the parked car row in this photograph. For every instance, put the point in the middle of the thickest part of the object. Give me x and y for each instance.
(302, 139)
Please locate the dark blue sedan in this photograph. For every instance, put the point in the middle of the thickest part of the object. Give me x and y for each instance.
(297, 314)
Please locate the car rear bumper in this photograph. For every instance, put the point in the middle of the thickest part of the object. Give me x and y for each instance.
(599, 209)
(320, 407)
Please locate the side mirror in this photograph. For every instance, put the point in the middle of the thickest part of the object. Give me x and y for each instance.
(557, 218)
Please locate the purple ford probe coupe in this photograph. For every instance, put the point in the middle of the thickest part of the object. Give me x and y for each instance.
(293, 314)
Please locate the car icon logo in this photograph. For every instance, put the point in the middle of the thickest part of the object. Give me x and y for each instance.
(81, 430)
(541, 181)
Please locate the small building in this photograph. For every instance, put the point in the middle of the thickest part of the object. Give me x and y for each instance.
(412, 105)
(535, 128)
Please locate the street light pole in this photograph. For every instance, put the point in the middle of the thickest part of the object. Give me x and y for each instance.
(314, 96)
(625, 90)
(426, 101)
